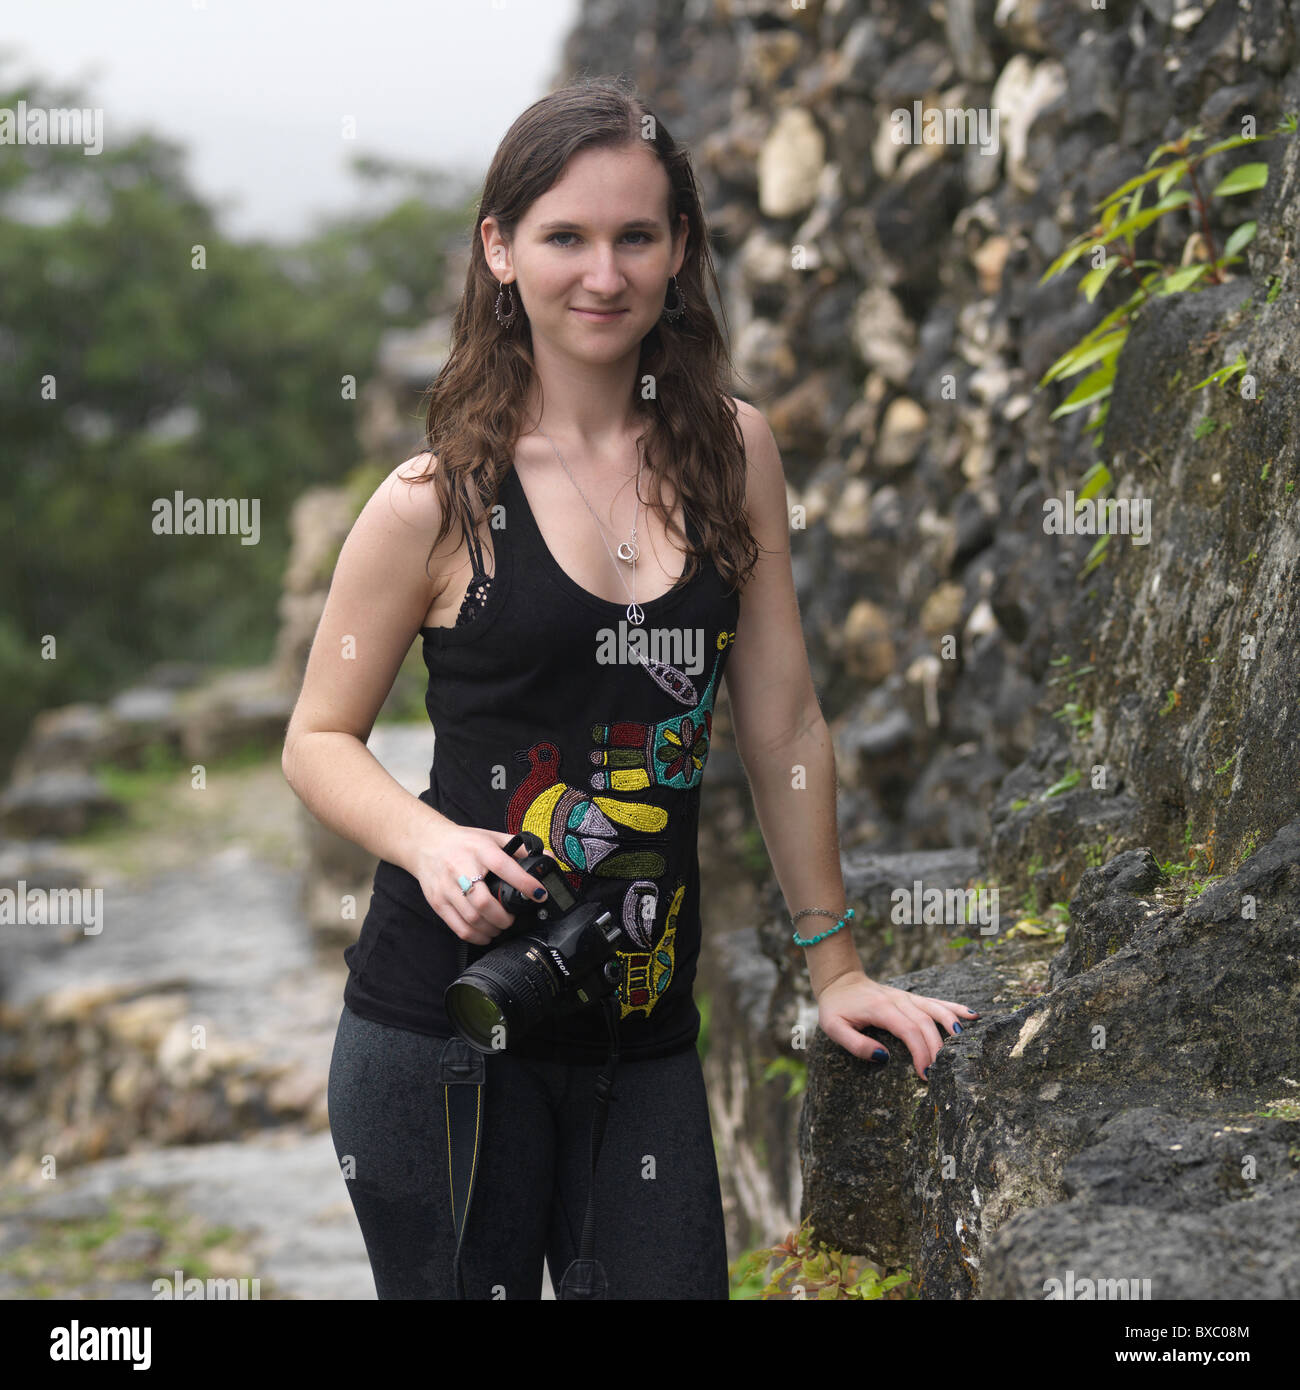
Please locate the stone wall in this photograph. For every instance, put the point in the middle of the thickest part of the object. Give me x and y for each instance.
(898, 368)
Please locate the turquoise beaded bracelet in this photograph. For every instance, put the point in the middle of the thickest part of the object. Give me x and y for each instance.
(821, 912)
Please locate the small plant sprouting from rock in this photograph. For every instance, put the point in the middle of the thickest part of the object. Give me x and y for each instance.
(807, 1270)
(1070, 779)
(1079, 716)
(1193, 877)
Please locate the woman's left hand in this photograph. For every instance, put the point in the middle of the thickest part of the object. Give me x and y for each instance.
(853, 1001)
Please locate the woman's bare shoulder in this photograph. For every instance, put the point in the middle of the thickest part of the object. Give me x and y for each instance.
(410, 489)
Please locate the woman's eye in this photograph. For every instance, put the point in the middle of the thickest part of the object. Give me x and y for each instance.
(553, 235)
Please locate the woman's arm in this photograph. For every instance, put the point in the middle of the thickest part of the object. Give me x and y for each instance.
(377, 602)
(780, 734)
(786, 748)
(793, 787)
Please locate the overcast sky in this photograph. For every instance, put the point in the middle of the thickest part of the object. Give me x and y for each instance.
(258, 90)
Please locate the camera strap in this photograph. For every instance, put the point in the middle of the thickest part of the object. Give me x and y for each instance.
(585, 1276)
(462, 1071)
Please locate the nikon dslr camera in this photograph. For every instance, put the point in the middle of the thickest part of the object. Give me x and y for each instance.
(556, 960)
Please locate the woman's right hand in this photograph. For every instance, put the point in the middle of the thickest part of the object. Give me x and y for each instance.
(475, 916)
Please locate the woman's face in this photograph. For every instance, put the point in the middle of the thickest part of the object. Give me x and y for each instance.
(597, 240)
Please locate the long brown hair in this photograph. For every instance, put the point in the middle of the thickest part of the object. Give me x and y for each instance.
(477, 399)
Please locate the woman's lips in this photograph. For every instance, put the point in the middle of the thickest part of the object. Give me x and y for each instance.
(597, 317)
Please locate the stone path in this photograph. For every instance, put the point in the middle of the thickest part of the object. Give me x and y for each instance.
(229, 928)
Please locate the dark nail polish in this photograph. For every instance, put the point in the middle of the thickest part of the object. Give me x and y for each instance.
(880, 1055)
(540, 893)
(956, 1027)
(927, 1073)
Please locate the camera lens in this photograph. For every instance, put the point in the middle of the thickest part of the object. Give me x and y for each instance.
(514, 986)
(474, 1014)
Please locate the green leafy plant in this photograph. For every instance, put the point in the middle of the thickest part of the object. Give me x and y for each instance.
(1078, 717)
(810, 1270)
(1112, 240)
(1029, 900)
(1193, 877)
(790, 1067)
(1096, 855)
(1070, 677)
(1280, 1110)
(1225, 374)
(1072, 778)
(1248, 847)
(1120, 218)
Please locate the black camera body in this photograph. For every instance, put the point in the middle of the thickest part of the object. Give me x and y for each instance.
(556, 958)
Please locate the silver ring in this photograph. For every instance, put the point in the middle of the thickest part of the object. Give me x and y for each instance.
(467, 883)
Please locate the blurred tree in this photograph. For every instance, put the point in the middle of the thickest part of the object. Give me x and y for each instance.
(127, 374)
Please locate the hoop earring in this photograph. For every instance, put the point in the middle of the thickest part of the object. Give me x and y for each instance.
(505, 320)
(678, 309)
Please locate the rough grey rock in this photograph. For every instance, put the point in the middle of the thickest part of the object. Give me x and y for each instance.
(56, 803)
(1189, 1017)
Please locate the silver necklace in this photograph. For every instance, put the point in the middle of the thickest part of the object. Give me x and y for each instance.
(628, 551)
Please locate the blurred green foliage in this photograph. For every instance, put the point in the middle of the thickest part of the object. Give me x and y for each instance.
(98, 295)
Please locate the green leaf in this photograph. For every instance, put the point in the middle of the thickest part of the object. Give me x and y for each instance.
(1231, 144)
(1224, 374)
(1245, 178)
(1092, 282)
(1067, 257)
(1180, 279)
(1094, 480)
(1169, 176)
(1195, 133)
(1091, 388)
(1144, 219)
(1071, 779)
(1095, 556)
(1243, 236)
(1125, 188)
(1094, 334)
(1080, 357)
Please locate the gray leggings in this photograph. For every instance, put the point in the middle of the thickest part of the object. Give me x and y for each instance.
(658, 1223)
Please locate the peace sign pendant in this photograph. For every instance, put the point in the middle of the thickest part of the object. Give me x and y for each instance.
(635, 614)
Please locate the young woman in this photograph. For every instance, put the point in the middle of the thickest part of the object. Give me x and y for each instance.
(609, 541)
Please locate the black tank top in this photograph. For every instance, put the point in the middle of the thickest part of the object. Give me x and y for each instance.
(546, 720)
